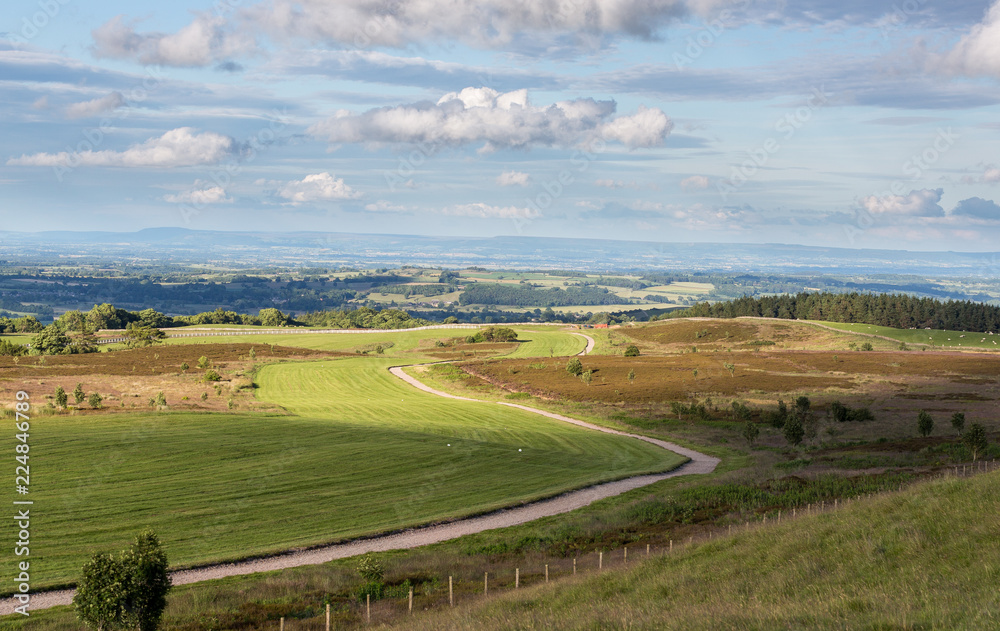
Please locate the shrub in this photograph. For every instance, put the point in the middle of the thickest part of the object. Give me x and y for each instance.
(793, 430)
(498, 334)
(204, 396)
(204, 362)
(631, 375)
(958, 422)
(575, 367)
(184, 366)
(925, 423)
(631, 350)
(371, 569)
(741, 412)
(839, 411)
(867, 346)
(750, 432)
(78, 394)
(61, 398)
(211, 375)
(587, 376)
(975, 440)
(127, 590)
(161, 399)
(95, 401)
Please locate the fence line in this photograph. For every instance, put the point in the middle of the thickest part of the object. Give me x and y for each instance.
(595, 561)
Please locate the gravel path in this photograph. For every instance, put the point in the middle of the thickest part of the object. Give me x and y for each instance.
(590, 343)
(699, 464)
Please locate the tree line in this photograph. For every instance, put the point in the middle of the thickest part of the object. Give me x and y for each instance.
(893, 310)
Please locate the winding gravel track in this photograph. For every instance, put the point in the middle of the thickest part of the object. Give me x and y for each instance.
(699, 464)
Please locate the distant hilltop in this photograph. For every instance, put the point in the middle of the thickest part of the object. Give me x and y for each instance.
(510, 252)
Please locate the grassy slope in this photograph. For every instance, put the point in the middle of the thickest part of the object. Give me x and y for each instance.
(363, 453)
(925, 558)
(921, 336)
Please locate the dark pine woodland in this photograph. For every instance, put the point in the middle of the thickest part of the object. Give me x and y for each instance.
(894, 310)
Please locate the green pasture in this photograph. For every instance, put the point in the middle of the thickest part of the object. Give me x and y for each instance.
(535, 341)
(359, 452)
(957, 339)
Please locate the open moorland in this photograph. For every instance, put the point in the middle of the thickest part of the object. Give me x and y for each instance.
(341, 405)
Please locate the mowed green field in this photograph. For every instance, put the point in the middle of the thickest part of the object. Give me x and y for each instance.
(360, 452)
(540, 341)
(957, 339)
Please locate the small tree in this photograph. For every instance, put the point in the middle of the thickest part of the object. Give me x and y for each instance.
(61, 398)
(95, 401)
(204, 362)
(78, 394)
(793, 430)
(125, 591)
(575, 367)
(867, 346)
(802, 404)
(631, 350)
(731, 368)
(204, 396)
(211, 375)
(587, 376)
(925, 423)
(958, 422)
(750, 432)
(975, 440)
(631, 375)
(184, 366)
(161, 399)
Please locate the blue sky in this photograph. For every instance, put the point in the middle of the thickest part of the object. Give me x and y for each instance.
(846, 124)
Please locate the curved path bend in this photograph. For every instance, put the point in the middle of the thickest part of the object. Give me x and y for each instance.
(699, 464)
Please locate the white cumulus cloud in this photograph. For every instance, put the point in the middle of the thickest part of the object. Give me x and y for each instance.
(317, 187)
(499, 120)
(206, 40)
(918, 203)
(200, 196)
(513, 178)
(95, 107)
(978, 52)
(176, 148)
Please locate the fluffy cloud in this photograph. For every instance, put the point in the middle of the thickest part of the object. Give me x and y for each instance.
(500, 120)
(200, 197)
(977, 207)
(978, 52)
(613, 184)
(317, 187)
(206, 40)
(694, 183)
(96, 107)
(176, 148)
(922, 203)
(513, 178)
(487, 211)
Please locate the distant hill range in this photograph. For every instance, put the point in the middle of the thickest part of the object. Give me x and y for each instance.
(596, 255)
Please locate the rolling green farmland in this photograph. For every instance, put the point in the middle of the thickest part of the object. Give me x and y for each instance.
(361, 452)
(957, 339)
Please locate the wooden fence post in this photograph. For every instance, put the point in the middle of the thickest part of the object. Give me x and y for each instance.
(517, 577)
(451, 593)
(671, 545)
(486, 583)
(368, 607)
(411, 601)
(327, 616)
(647, 549)
(546, 572)
(600, 560)
(282, 623)
(625, 556)
(574, 566)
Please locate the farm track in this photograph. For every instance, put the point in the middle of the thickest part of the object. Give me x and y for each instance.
(699, 464)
